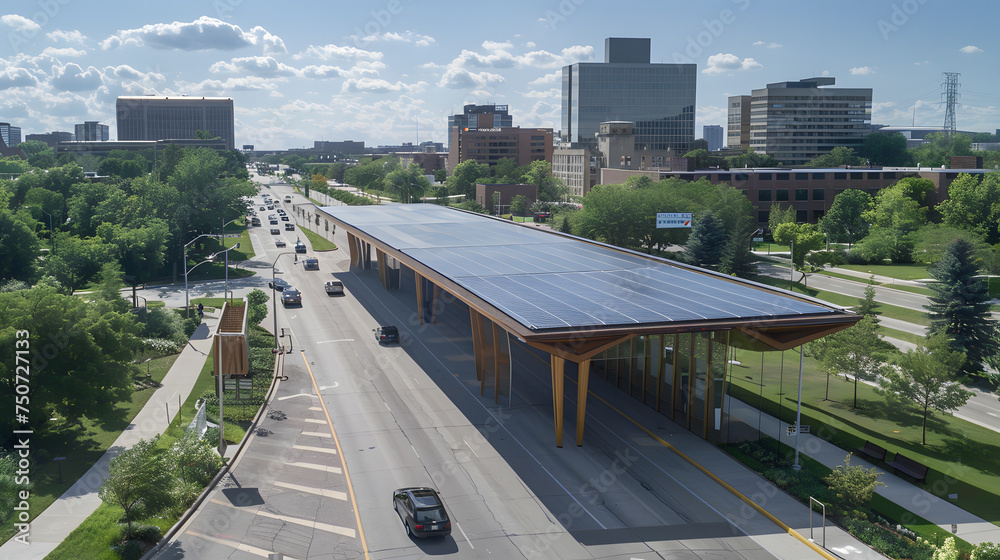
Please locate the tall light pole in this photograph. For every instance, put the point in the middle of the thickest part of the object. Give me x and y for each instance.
(798, 412)
(274, 304)
(226, 251)
(187, 302)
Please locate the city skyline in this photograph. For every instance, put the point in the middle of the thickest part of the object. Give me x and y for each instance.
(391, 72)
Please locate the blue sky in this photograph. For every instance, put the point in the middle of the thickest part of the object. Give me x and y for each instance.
(391, 71)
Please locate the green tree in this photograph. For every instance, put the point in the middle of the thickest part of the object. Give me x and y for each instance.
(838, 157)
(880, 148)
(464, 177)
(13, 164)
(707, 241)
(257, 306)
(986, 551)
(737, 259)
(76, 260)
(751, 159)
(867, 306)
(506, 170)
(440, 175)
(805, 237)
(409, 184)
(928, 378)
(855, 484)
(973, 204)
(959, 307)
(565, 227)
(19, 247)
(845, 220)
(858, 351)
(194, 460)
(778, 215)
(518, 205)
(32, 147)
(138, 481)
(550, 188)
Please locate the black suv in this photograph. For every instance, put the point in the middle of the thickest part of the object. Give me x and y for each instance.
(386, 334)
(421, 511)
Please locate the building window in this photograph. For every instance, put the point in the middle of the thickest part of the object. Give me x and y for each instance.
(781, 195)
(764, 195)
(819, 176)
(764, 176)
(763, 216)
(857, 176)
(873, 175)
(801, 216)
(801, 194)
(888, 174)
(840, 176)
(819, 194)
(781, 176)
(801, 176)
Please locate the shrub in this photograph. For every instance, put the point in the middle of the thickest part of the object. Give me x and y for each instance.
(130, 550)
(161, 323)
(194, 459)
(986, 551)
(948, 550)
(191, 325)
(148, 533)
(159, 347)
(854, 485)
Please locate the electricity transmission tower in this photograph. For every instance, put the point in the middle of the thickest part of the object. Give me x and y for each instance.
(950, 100)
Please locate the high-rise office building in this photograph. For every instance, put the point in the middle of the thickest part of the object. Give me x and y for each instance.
(475, 117)
(11, 134)
(712, 133)
(51, 138)
(490, 145)
(92, 131)
(795, 122)
(738, 124)
(658, 98)
(175, 118)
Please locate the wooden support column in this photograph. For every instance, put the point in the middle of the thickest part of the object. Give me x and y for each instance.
(434, 306)
(583, 376)
(477, 342)
(382, 276)
(352, 244)
(420, 296)
(557, 395)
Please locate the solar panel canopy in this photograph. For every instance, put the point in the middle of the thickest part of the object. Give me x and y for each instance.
(550, 282)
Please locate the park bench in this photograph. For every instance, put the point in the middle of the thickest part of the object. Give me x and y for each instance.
(910, 467)
(873, 451)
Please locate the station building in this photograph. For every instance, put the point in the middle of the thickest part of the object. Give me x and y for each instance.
(657, 329)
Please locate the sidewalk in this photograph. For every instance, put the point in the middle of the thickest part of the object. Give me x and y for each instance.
(53, 525)
(904, 493)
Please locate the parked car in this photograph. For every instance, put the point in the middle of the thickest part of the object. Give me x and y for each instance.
(278, 284)
(291, 296)
(279, 242)
(422, 512)
(387, 334)
(310, 263)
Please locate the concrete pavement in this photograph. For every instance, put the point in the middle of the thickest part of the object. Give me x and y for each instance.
(52, 526)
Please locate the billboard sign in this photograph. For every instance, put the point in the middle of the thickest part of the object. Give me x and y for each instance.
(673, 219)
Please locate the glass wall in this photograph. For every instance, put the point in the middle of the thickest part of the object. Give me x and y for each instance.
(683, 376)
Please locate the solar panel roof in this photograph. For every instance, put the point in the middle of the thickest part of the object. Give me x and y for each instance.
(551, 282)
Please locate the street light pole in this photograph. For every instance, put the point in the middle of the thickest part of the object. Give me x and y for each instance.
(226, 251)
(274, 304)
(798, 413)
(187, 301)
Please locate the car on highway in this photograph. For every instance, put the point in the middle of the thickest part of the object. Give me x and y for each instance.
(386, 334)
(291, 296)
(275, 231)
(289, 227)
(422, 512)
(281, 211)
(263, 208)
(288, 198)
(310, 263)
(284, 218)
(278, 284)
(279, 242)
(300, 247)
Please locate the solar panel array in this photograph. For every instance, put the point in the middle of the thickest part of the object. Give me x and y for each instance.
(547, 282)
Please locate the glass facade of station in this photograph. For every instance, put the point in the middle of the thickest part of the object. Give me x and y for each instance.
(683, 376)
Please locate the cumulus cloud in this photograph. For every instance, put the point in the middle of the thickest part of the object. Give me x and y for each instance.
(460, 78)
(205, 33)
(970, 49)
(407, 36)
(67, 36)
(550, 78)
(862, 71)
(378, 85)
(255, 65)
(721, 63)
(20, 23)
(12, 77)
(328, 52)
(546, 94)
(72, 77)
(499, 55)
(768, 45)
(63, 52)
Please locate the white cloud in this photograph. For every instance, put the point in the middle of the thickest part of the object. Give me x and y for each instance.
(205, 33)
(768, 45)
(407, 36)
(550, 78)
(970, 49)
(721, 63)
(67, 36)
(498, 55)
(378, 85)
(460, 78)
(327, 52)
(12, 77)
(254, 65)
(546, 94)
(20, 23)
(72, 77)
(862, 71)
(63, 52)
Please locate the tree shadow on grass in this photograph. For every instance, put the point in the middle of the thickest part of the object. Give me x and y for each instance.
(907, 416)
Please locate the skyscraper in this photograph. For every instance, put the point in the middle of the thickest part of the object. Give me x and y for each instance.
(11, 134)
(92, 131)
(795, 122)
(712, 133)
(658, 98)
(175, 118)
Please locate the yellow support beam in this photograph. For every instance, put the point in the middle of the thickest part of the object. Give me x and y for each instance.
(583, 377)
(558, 365)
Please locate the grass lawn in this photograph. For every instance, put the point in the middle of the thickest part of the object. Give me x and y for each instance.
(771, 247)
(964, 458)
(900, 271)
(83, 442)
(903, 335)
(319, 243)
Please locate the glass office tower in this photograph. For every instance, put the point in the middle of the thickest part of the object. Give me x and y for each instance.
(658, 98)
(175, 118)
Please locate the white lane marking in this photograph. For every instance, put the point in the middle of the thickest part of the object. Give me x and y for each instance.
(308, 523)
(330, 450)
(326, 493)
(414, 451)
(317, 434)
(236, 545)
(336, 340)
(464, 535)
(294, 396)
(315, 408)
(315, 421)
(315, 467)
(471, 449)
